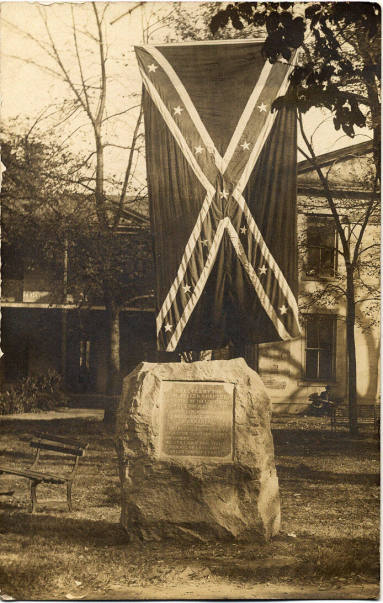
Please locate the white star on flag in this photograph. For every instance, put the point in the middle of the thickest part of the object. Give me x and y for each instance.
(168, 327)
(262, 107)
(186, 288)
(243, 229)
(263, 270)
(224, 194)
(283, 309)
(177, 110)
(246, 146)
(152, 68)
(198, 150)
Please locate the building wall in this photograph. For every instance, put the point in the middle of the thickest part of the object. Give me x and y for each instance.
(282, 366)
(30, 342)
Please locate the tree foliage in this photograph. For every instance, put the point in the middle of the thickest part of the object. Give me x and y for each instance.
(339, 66)
(44, 214)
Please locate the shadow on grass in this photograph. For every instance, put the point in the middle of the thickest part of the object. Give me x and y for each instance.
(307, 473)
(62, 529)
(79, 426)
(311, 442)
(306, 559)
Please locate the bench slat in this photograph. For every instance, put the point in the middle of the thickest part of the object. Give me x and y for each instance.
(58, 447)
(64, 440)
(31, 474)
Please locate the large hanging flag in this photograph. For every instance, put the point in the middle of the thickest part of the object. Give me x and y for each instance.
(222, 187)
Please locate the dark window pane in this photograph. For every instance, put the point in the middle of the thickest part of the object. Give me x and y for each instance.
(311, 364)
(320, 246)
(313, 234)
(327, 262)
(327, 235)
(320, 347)
(313, 261)
(12, 263)
(325, 332)
(312, 333)
(325, 364)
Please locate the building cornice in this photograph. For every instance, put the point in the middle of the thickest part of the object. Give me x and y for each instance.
(42, 306)
(336, 191)
(355, 150)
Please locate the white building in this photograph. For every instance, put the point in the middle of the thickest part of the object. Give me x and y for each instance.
(293, 370)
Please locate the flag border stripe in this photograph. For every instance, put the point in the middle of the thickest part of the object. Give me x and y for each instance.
(246, 113)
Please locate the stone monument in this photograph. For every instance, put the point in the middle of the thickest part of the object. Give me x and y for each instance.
(196, 454)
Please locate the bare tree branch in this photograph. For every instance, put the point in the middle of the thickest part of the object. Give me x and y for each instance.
(102, 98)
(120, 113)
(117, 216)
(79, 62)
(45, 68)
(60, 64)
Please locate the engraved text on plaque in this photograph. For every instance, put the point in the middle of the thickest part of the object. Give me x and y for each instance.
(196, 419)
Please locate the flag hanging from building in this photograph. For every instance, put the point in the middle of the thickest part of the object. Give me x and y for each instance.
(222, 187)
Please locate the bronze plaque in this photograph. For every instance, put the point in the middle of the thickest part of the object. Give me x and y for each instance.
(197, 419)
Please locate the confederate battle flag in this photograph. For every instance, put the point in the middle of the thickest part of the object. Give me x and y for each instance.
(222, 187)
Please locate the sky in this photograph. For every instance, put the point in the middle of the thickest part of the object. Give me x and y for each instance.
(26, 90)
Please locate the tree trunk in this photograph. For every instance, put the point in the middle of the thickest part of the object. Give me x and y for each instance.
(113, 361)
(351, 353)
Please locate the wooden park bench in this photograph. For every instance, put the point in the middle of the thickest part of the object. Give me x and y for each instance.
(62, 447)
(367, 414)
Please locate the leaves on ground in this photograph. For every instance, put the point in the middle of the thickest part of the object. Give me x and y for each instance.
(329, 538)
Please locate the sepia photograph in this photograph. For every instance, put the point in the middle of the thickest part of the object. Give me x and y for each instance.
(190, 300)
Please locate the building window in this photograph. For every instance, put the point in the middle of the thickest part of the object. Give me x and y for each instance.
(84, 368)
(321, 246)
(12, 272)
(320, 347)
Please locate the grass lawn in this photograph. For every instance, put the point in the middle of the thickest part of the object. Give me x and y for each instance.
(329, 541)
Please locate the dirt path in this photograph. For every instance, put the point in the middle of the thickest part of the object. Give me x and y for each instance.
(223, 590)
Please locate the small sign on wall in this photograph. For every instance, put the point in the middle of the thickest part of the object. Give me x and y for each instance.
(34, 296)
(274, 383)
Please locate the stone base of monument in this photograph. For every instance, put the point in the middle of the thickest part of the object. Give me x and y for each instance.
(196, 455)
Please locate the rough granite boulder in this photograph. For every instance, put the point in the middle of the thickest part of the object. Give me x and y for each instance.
(189, 496)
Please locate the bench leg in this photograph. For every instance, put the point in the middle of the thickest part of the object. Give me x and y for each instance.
(69, 495)
(34, 485)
